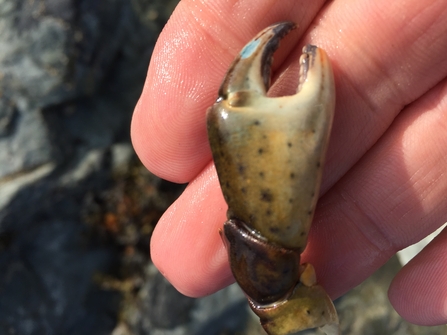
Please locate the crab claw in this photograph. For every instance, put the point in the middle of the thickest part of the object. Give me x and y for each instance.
(269, 151)
(269, 154)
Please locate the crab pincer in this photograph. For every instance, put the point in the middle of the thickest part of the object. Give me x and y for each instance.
(269, 154)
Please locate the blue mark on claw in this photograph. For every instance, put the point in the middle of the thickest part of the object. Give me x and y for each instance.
(248, 50)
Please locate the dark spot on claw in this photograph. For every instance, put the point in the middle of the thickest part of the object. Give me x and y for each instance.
(227, 184)
(222, 137)
(243, 190)
(274, 230)
(292, 175)
(241, 168)
(303, 233)
(261, 174)
(260, 151)
(318, 164)
(268, 212)
(309, 212)
(308, 312)
(256, 123)
(322, 312)
(266, 196)
(289, 144)
(290, 200)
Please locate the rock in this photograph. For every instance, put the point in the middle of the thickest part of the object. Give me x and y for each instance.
(8, 113)
(166, 307)
(54, 57)
(71, 72)
(27, 147)
(164, 311)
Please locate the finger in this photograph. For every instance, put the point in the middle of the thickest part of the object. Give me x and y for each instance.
(378, 71)
(188, 64)
(186, 246)
(418, 292)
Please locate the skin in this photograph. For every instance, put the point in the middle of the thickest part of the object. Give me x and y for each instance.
(384, 185)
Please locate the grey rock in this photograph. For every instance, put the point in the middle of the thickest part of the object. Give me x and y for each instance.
(28, 147)
(224, 312)
(53, 60)
(71, 72)
(10, 188)
(53, 51)
(8, 113)
(49, 258)
(40, 271)
(35, 46)
(162, 310)
(166, 307)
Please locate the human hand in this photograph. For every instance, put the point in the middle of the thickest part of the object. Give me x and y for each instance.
(384, 185)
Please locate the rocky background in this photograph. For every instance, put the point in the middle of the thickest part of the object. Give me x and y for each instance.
(77, 208)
